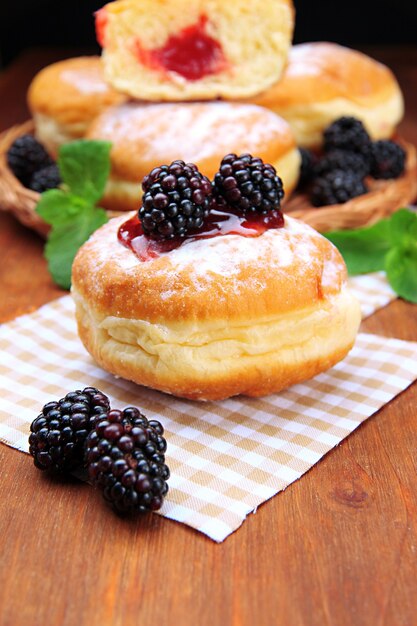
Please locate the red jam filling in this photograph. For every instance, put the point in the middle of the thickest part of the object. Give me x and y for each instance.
(218, 223)
(101, 26)
(192, 53)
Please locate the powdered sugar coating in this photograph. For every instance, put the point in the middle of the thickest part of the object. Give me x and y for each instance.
(87, 81)
(229, 276)
(146, 135)
(225, 255)
(215, 131)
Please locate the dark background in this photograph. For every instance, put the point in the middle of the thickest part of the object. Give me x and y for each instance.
(69, 23)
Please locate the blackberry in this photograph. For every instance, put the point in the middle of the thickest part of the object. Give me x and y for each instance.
(247, 184)
(58, 434)
(336, 187)
(125, 459)
(176, 200)
(347, 133)
(387, 159)
(342, 160)
(25, 157)
(308, 161)
(46, 178)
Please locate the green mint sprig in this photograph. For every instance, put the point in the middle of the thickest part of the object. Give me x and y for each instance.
(71, 211)
(390, 245)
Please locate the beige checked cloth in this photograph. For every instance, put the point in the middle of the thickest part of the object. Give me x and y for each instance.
(226, 458)
(372, 291)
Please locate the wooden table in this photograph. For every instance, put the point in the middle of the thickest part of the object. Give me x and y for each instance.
(338, 547)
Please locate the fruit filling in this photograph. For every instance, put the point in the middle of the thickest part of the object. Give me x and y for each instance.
(217, 223)
(192, 53)
(179, 204)
(101, 26)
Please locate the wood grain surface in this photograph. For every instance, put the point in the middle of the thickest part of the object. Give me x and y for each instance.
(338, 547)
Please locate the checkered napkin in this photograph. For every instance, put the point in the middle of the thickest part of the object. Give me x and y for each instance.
(372, 291)
(226, 458)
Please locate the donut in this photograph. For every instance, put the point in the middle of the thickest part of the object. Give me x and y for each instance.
(65, 97)
(215, 316)
(146, 135)
(193, 50)
(324, 81)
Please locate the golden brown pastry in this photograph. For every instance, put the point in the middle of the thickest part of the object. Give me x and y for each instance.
(194, 49)
(146, 135)
(218, 316)
(324, 81)
(65, 97)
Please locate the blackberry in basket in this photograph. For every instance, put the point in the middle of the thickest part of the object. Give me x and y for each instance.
(345, 160)
(46, 178)
(336, 187)
(307, 167)
(387, 159)
(347, 133)
(27, 156)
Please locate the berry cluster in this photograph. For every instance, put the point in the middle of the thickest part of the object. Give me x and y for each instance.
(123, 451)
(349, 157)
(59, 433)
(248, 184)
(32, 165)
(177, 198)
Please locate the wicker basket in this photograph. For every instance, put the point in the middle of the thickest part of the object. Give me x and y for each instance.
(13, 196)
(16, 198)
(384, 197)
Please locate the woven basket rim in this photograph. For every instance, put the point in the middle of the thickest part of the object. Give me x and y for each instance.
(14, 197)
(384, 198)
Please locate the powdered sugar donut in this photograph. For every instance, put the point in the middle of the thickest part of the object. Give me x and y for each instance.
(216, 316)
(324, 81)
(193, 49)
(145, 135)
(65, 97)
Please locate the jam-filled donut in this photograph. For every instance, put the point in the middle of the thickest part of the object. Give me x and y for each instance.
(246, 301)
(325, 81)
(65, 97)
(192, 49)
(145, 135)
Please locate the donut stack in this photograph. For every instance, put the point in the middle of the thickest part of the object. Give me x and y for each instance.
(154, 93)
(197, 80)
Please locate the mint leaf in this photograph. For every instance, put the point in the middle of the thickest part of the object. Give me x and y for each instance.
(401, 269)
(363, 249)
(66, 238)
(84, 166)
(58, 207)
(402, 225)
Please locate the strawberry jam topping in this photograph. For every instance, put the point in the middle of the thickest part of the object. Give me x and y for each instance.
(101, 26)
(218, 223)
(192, 53)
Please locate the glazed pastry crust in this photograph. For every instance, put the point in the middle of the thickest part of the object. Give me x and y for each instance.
(216, 317)
(53, 134)
(144, 136)
(210, 279)
(324, 81)
(72, 91)
(254, 37)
